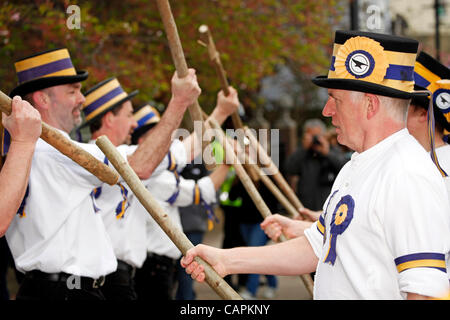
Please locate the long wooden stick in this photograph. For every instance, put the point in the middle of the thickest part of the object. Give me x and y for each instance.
(251, 189)
(69, 148)
(267, 182)
(214, 56)
(292, 212)
(220, 286)
(179, 61)
(274, 171)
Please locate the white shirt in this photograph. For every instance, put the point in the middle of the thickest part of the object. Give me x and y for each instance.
(60, 231)
(400, 213)
(125, 226)
(162, 187)
(443, 155)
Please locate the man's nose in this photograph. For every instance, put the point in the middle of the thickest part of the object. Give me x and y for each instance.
(329, 108)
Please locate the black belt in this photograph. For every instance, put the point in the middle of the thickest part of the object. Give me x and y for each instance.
(123, 266)
(85, 282)
(160, 258)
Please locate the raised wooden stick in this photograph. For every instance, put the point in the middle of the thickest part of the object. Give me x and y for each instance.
(214, 56)
(274, 171)
(180, 65)
(267, 182)
(68, 148)
(251, 189)
(175, 234)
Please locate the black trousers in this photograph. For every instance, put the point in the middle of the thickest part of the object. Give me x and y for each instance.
(156, 279)
(119, 285)
(37, 285)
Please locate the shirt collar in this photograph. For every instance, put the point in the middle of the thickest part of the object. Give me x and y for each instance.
(379, 148)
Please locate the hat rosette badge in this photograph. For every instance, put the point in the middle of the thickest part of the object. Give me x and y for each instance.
(442, 97)
(361, 58)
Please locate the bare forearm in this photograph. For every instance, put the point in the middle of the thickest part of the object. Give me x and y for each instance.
(13, 181)
(155, 146)
(293, 257)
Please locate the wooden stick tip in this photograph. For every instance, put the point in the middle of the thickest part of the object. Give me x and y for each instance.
(203, 28)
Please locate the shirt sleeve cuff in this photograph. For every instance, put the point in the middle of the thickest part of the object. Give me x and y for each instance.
(315, 238)
(424, 281)
(207, 190)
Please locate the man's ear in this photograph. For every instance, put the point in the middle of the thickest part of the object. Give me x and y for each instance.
(108, 119)
(423, 114)
(419, 113)
(373, 105)
(41, 99)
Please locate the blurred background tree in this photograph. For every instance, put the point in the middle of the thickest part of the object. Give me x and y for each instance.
(126, 39)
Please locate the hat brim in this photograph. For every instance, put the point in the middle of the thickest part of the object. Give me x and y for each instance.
(128, 97)
(422, 101)
(364, 86)
(47, 82)
(139, 132)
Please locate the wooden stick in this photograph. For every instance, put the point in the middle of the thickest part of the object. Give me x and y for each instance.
(275, 172)
(267, 182)
(292, 212)
(214, 57)
(251, 189)
(69, 148)
(220, 286)
(179, 61)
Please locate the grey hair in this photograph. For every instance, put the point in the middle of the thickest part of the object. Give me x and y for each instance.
(312, 123)
(396, 108)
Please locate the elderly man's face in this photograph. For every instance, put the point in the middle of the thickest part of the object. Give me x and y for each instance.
(347, 116)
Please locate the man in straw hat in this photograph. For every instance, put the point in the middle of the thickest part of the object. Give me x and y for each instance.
(57, 240)
(108, 111)
(384, 230)
(155, 279)
(23, 127)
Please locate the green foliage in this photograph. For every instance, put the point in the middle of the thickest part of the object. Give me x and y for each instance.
(126, 39)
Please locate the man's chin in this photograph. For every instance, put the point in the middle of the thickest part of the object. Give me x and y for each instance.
(77, 121)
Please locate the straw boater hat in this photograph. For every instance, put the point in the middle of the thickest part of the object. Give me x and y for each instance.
(104, 97)
(372, 63)
(146, 117)
(39, 71)
(46, 69)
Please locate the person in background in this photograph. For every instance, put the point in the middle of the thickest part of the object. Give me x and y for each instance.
(315, 164)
